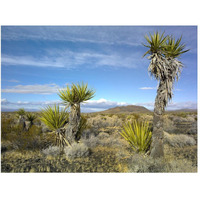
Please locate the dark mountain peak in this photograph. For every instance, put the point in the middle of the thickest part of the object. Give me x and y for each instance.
(126, 109)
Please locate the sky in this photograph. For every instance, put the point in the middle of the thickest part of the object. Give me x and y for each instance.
(36, 61)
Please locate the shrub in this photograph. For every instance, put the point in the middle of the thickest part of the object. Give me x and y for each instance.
(77, 150)
(31, 117)
(179, 140)
(55, 118)
(51, 150)
(31, 140)
(6, 128)
(103, 140)
(21, 112)
(138, 135)
(140, 163)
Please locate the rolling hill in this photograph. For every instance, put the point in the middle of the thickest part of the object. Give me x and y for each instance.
(126, 109)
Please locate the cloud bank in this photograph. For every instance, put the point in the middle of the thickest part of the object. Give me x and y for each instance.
(91, 105)
(33, 89)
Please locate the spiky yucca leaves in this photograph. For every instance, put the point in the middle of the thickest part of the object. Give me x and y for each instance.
(31, 117)
(174, 48)
(156, 43)
(138, 135)
(76, 94)
(55, 119)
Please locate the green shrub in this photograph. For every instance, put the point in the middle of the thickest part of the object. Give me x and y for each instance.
(6, 128)
(138, 135)
(21, 112)
(55, 118)
(31, 117)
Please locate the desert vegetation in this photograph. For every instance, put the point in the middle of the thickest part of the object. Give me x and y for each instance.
(60, 138)
(101, 147)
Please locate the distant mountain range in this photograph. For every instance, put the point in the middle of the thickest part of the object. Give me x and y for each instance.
(182, 110)
(118, 110)
(126, 109)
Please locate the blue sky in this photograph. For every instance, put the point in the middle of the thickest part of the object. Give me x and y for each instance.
(36, 61)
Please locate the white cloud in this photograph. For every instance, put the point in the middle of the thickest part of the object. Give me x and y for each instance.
(4, 101)
(182, 105)
(171, 105)
(126, 35)
(90, 34)
(92, 105)
(70, 59)
(148, 88)
(33, 89)
(11, 80)
(155, 88)
(102, 104)
(30, 61)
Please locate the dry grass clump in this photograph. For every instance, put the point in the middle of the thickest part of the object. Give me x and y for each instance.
(104, 121)
(104, 140)
(182, 153)
(51, 150)
(77, 150)
(178, 140)
(145, 164)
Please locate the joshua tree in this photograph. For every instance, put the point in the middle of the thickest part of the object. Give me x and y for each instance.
(73, 97)
(55, 118)
(165, 67)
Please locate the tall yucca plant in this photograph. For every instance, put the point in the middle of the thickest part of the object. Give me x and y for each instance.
(165, 68)
(72, 97)
(138, 135)
(55, 118)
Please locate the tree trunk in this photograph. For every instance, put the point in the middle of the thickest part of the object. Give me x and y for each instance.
(74, 123)
(159, 108)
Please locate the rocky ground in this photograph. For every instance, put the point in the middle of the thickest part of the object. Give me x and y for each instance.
(101, 149)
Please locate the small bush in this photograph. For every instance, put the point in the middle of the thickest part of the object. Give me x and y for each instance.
(143, 164)
(77, 150)
(21, 112)
(138, 135)
(31, 117)
(103, 140)
(178, 140)
(6, 128)
(51, 150)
